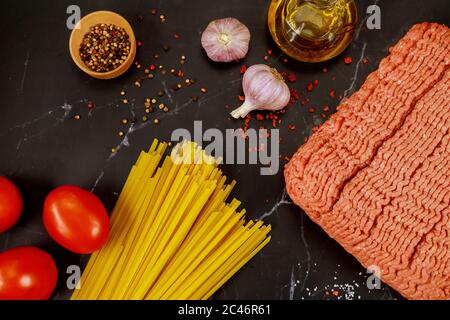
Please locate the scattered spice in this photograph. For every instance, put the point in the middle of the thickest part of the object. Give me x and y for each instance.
(161, 93)
(195, 98)
(332, 93)
(156, 121)
(204, 90)
(241, 98)
(105, 47)
(139, 43)
(124, 121)
(266, 58)
(309, 87)
(122, 93)
(316, 83)
(77, 117)
(242, 69)
(144, 118)
(325, 70)
(326, 108)
(291, 126)
(121, 133)
(139, 18)
(176, 36)
(348, 60)
(166, 47)
(153, 11)
(125, 101)
(311, 110)
(90, 105)
(365, 60)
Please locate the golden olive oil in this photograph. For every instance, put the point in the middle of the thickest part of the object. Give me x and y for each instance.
(312, 30)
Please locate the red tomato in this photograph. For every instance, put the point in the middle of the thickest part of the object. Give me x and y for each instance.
(11, 204)
(76, 219)
(27, 273)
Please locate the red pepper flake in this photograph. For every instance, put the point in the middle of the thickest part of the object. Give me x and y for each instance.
(325, 70)
(326, 108)
(309, 87)
(332, 93)
(139, 43)
(340, 97)
(316, 83)
(266, 58)
(152, 67)
(285, 60)
(324, 116)
(311, 110)
(242, 69)
(292, 77)
(269, 52)
(241, 98)
(139, 18)
(153, 11)
(90, 105)
(176, 36)
(365, 60)
(291, 127)
(348, 60)
(333, 78)
(259, 117)
(274, 123)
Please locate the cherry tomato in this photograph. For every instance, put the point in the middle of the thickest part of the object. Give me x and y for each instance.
(11, 204)
(76, 219)
(27, 273)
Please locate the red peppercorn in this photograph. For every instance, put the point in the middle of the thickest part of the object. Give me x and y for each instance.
(316, 83)
(332, 93)
(348, 60)
(90, 105)
(139, 44)
(242, 69)
(152, 67)
(292, 77)
(241, 98)
(309, 87)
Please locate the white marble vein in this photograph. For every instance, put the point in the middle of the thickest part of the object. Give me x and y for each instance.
(354, 78)
(308, 252)
(24, 73)
(284, 200)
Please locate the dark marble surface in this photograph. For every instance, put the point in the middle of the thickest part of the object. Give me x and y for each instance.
(43, 147)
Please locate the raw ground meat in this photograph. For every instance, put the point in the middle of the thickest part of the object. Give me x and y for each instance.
(376, 176)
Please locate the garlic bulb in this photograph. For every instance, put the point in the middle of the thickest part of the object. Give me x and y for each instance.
(226, 40)
(264, 89)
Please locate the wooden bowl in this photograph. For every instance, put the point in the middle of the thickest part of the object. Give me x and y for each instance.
(83, 27)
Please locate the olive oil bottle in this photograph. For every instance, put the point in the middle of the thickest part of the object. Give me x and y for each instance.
(312, 30)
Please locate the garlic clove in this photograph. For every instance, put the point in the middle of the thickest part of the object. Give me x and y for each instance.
(264, 89)
(226, 40)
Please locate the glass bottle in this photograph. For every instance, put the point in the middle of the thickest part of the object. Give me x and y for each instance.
(312, 30)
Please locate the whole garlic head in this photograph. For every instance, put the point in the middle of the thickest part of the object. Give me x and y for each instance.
(226, 40)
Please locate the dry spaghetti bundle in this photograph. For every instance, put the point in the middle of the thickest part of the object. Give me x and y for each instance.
(173, 235)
